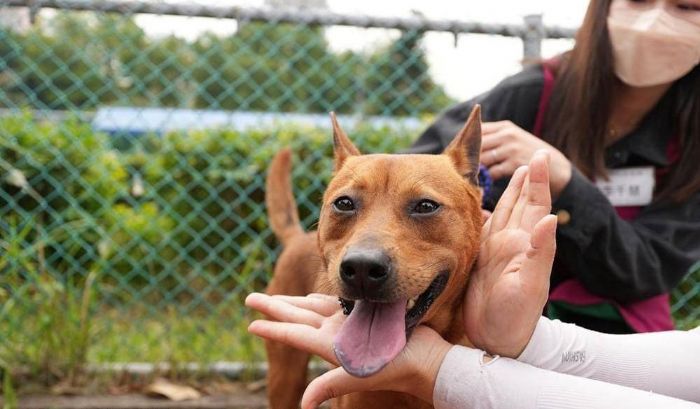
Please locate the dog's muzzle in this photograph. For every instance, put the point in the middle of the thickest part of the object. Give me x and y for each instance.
(366, 274)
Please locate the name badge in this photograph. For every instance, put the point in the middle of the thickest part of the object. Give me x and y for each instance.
(629, 186)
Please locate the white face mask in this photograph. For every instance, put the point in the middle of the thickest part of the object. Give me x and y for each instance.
(651, 46)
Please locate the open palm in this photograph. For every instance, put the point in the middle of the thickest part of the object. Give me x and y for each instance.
(508, 286)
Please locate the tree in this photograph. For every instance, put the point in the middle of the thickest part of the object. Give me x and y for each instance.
(399, 81)
(82, 61)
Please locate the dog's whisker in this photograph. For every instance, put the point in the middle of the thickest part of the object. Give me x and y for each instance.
(427, 267)
(419, 181)
(355, 177)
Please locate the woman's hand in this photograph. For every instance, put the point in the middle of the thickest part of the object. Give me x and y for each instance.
(505, 296)
(505, 147)
(310, 324)
(509, 285)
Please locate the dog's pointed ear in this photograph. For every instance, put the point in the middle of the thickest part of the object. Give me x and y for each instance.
(465, 148)
(342, 146)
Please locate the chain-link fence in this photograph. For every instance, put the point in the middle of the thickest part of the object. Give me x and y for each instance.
(132, 166)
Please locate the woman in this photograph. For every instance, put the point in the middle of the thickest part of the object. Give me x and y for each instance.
(620, 115)
(559, 365)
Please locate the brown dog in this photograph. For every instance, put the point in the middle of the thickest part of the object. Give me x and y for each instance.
(397, 237)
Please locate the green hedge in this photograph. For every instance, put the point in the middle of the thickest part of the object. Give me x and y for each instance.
(176, 218)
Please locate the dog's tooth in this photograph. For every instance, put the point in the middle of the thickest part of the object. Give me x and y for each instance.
(411, 303)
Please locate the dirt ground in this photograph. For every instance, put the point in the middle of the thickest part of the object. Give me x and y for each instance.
(236, 396)
(242, 401)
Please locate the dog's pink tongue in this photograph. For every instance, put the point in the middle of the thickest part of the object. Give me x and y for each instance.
(371, 337)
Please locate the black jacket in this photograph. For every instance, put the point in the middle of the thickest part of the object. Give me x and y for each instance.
(613, 258)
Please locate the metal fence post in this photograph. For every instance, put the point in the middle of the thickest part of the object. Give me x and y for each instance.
(533, 36)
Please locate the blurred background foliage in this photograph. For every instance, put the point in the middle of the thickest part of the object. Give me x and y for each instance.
(133, 246)
(78, 60)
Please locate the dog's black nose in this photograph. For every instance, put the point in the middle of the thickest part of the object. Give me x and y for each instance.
(364, 272)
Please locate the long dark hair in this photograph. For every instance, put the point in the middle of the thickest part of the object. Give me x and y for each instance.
(583, 94)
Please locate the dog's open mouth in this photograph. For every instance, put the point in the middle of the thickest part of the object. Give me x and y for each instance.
(374, 333)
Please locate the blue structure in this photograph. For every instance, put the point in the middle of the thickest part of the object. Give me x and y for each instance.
(135, 121)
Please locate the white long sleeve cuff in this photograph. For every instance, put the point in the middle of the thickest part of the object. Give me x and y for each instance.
(666, 363)
(465, 382)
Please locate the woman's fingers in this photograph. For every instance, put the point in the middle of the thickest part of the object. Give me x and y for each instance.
(496, 147)
(489, 158)
(504, 207)
(306, 323)
(300, 336)
(491, 127)
(537, 267)
(485, 215)
(493, 149)
(538, 202)
(324, 305)
(333, 384)
(516, 214)
(323, 296)
(503, 169)
(282, 311)
(535, 200)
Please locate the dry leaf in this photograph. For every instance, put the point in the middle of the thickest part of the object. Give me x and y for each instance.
(166, 389)
(65, 388)
(257, 386)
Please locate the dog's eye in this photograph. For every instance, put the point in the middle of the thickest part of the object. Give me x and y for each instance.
(425, 206)
(344, 204)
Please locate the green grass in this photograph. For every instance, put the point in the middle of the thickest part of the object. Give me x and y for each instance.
(175, 338)
(126, 336)
(52, 327)
(8, 391)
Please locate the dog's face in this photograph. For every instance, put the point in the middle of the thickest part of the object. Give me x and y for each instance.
(398, 235)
